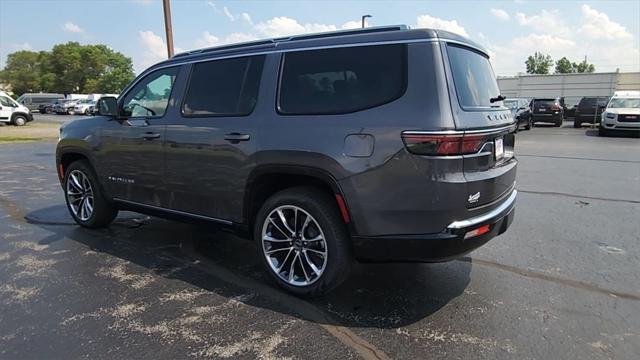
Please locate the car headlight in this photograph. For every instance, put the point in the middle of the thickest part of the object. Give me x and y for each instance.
(610, 116)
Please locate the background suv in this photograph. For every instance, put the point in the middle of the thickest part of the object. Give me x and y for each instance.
(547, 110)
(589, 110)
(371, 144)
(622, 113)
(521, 112)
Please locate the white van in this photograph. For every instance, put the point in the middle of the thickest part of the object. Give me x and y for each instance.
(12, 112)
(622, 113)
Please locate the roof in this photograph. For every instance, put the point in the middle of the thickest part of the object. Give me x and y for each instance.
(371, 35)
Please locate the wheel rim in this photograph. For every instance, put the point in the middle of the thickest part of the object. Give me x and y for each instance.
(19, 121)
(294, 245)
(80, 195)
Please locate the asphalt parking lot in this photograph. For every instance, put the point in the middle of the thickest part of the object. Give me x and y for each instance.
(561, 283)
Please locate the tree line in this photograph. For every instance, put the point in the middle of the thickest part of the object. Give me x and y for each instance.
(68, 68)
(540, 63)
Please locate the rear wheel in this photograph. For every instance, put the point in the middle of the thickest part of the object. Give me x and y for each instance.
(19, 120)
(558, 122)
(577, 124)
(85, 200)
(302, 241)
(529, 124)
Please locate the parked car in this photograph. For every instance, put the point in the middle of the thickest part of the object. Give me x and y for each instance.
(622, 113)
(33, 100)
(12, 112)
(520, 111)
(590, 110)
(48, 107)
(82, 107)
(547, 110)
(369, 152)
(64, 106)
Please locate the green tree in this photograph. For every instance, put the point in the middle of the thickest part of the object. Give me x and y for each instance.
(564, 66)
(538, 63)
(22, 71)
(68, 68)
(584, 67)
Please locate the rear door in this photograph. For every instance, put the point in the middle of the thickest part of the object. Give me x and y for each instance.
(543, 107)
(211, 144)
(490, 172)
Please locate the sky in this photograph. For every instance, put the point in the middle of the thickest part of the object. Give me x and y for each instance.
(606, 32)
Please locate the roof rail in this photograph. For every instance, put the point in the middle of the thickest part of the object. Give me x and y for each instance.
(269, 43)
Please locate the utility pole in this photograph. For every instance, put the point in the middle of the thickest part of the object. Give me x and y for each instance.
(363, 19)
(167, 27)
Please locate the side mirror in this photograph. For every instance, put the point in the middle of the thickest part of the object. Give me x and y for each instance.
(106, 106)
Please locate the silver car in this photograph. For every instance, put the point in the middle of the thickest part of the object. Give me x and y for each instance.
(622, 113)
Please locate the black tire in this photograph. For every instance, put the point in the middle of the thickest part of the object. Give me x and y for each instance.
(104, 212)
(577, 124)
(558, 123)
(529, 125)
(325, 212)
(602, 132)
(48, 110)
(19, 120)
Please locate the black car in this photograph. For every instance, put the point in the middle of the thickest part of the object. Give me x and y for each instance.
(520, 111)
(378, 144)
(547, 110)
(48, 107)
(589, 110)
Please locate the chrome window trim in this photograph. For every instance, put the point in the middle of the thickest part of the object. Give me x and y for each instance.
(461, 224)
(177, 212)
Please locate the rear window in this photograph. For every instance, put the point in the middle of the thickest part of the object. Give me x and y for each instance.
(473, 77)
(343, 80)
(547, 102)
(223, 87)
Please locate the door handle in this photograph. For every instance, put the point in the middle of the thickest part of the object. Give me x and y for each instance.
(235, 138)
(150, 136)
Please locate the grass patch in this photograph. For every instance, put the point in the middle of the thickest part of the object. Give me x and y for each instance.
(28, 133)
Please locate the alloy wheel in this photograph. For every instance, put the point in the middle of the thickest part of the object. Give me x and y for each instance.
(294, 245)
(80, 195)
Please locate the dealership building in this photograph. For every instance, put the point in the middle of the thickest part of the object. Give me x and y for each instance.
(570, 86)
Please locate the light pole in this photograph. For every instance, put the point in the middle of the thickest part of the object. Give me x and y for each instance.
(363, 19)
(167, 27)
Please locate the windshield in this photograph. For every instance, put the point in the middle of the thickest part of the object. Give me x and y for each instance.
(625, 103)
(474, 79)
(511, 104)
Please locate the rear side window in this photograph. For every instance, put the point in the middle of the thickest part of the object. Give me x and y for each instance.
(224, 87)
(473, 78)
(341, 80)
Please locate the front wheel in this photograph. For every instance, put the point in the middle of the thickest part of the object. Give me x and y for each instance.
(302, 241)
(19, 120)
(86, 202)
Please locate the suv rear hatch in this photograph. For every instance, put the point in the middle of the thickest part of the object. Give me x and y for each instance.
(481, 116)
(545, 107)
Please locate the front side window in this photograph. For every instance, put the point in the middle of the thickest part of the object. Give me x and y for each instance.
(4, 101)
(150, 96)
(227, 87)
(342, 80)
(473, 77)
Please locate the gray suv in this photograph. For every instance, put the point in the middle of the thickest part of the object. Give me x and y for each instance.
(377, 145)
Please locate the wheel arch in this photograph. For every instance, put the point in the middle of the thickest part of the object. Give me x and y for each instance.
(19, 113)
(266, 180)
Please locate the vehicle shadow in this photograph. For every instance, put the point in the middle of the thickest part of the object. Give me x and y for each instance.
(376, 295)
(613, 134)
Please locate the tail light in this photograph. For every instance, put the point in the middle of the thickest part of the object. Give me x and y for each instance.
(556, 107)
(449, 144)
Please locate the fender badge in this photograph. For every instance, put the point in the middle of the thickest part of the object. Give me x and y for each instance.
(474, 198)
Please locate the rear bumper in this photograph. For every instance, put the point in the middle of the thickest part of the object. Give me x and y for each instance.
(547, 117)
(444, 246)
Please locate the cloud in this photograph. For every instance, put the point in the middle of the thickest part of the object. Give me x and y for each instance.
(284, 26)
(354, 24)
(547, 22)
(154, 49)
(208, 40)
(426, 21)
(23, 46)
(597, 25)
(228, 14)
(247, 18)
(71, 27)
(500, 14)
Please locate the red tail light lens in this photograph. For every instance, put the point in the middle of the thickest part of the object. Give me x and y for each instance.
(453, 144)
(555, 107)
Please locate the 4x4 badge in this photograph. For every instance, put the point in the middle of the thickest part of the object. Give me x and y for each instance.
(474, 197)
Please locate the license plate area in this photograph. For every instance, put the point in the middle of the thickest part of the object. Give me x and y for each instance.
(498, 145)
(542, 109)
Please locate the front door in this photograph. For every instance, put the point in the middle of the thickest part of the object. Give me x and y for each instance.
(210, 148)
(6, 108)
(133, 154)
